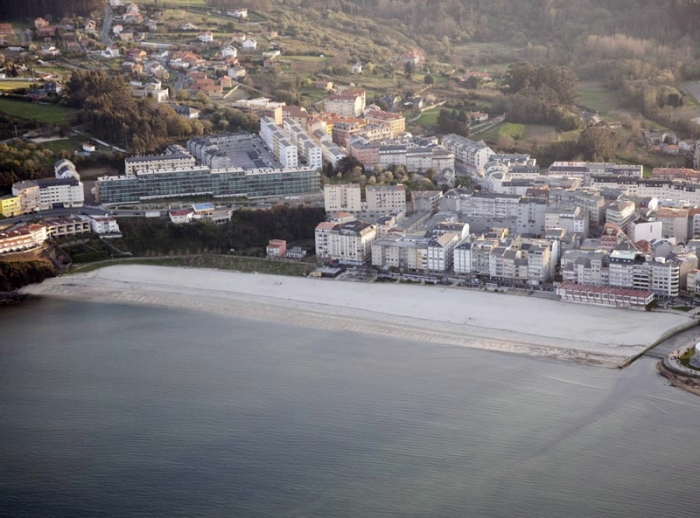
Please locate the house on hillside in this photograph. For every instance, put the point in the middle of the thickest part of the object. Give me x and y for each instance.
(414, 57)
(249, 45)
(229, 52)
(356, 68)
(205, 37)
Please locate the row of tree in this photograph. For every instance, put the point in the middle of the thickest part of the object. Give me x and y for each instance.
(247, 230)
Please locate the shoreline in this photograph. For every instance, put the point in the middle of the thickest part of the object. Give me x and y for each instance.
(536, 327)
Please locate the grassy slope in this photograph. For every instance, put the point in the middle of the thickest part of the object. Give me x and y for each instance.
(40, 112)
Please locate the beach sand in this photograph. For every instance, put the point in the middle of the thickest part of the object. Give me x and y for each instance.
(428, 314)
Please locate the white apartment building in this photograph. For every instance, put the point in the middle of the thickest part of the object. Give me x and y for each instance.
(441, 252)
(643, 230)
(586, 267)
(407, 252)
(674, 223)
(28, 192)
(526, 260)
(567, 217)
(104, 225)
(489, 204)
(620, 213)
(586, 170)
(350, 103)
(277, 142)
(175, 157)
(383, 199)
(59, 193)
(630, 269)
(307, 149)
(342, 198)
(471, 153)
(351, 243)
(693, 281)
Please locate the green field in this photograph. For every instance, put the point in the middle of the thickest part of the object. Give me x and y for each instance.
(7, 86)
(47, 113)
(68, 144)
(429, 117)
(515, 131)
(593, 96)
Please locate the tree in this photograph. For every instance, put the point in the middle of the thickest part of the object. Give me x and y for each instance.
(429, 80)
(598, 143)
(408, 69)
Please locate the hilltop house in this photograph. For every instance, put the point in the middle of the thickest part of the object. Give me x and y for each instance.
(249, 45)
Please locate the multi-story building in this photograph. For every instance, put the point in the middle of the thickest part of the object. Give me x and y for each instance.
(277, 142)
(644, 230)
(204, 148)
(10, 206)
(262, 107)
(345, 198)
(350, 103)
(175, 158)
(473, 154)
(383, 199)
(568, 217)
(28, 193)
(631, 269)
(674, 223)
(351, 243)
(441, 252)
(201, 180)
(620, 213)
(395, 122)
(588, 267)
(586, 170)
(62, 226)
(406, 252)
(427, 201)
(307, 149)
(104, 226)
(59, 193)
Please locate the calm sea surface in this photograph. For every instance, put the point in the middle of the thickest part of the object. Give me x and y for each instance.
(123, 411)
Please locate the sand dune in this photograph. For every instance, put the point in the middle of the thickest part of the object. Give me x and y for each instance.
(429, 314)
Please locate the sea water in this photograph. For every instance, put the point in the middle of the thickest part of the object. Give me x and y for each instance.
(121, 411)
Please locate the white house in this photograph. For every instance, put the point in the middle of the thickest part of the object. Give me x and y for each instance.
(229, 52)
(356, 68)
(110, 52)
(205, 37)
(250, 44)
(241, 14)
(105, 226)
(117, 29)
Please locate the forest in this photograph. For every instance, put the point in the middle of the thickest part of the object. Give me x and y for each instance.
(248, 232)
(16, 10)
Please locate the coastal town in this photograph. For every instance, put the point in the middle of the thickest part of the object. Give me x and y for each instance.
(402, 203)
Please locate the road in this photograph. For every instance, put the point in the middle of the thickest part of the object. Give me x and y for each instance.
(95, 211)
(180, 81)
(107, 25)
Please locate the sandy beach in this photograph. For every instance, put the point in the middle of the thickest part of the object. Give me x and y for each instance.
(428, 314)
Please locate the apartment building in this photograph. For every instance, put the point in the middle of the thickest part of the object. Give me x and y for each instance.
(60, 193)
(342, 198)
(10, 206)
(473, 154)
(307, 149)
(262, 107)
(620, 213)
(441, 252)
(276, 141)
(674, 223)
(176, 157)
(383, 199)
(28, 193)
(586, 170)
(351, 243)
(350, 103)
(406, 252)
(395, 122)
